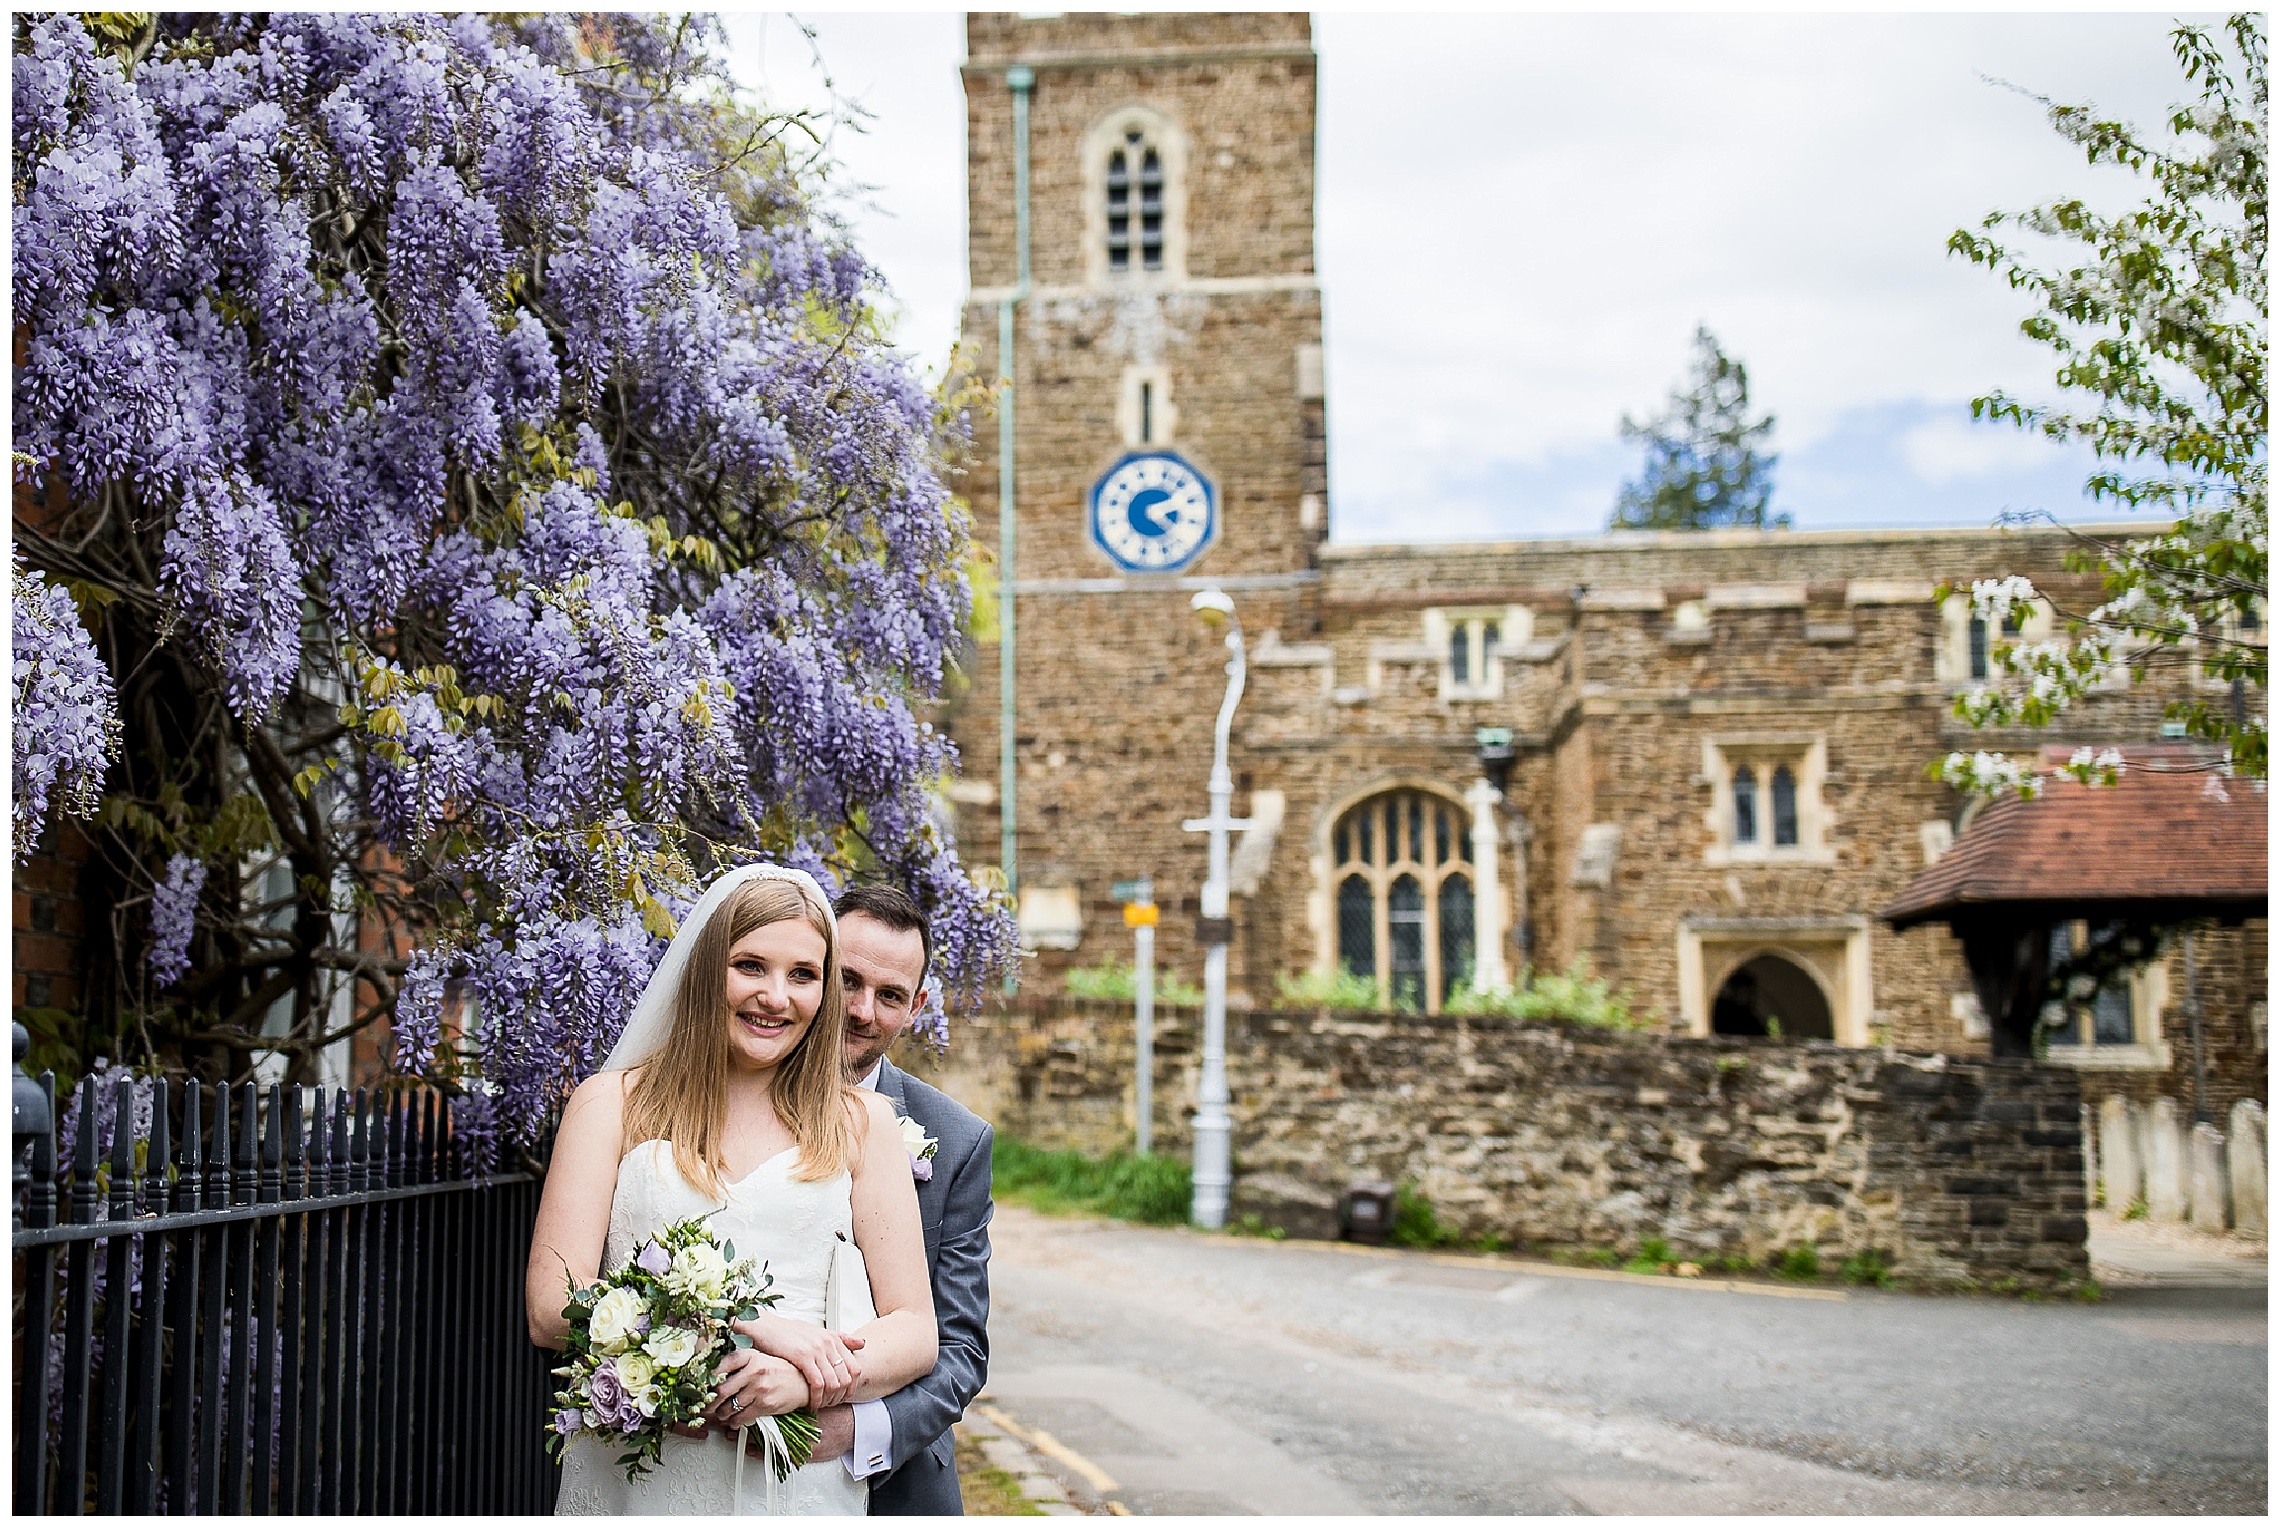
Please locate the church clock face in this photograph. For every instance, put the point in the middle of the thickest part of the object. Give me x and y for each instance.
(1153, 512)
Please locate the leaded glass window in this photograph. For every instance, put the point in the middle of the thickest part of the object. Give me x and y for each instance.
(1405, 900)
(1135, 204)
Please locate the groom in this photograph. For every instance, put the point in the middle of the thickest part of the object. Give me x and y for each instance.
(902, 1444)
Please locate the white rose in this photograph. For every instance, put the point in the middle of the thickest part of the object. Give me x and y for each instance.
(673, 1346)
(913, 1136)
(701, 1269)
(649, 1398)
(613, 1319)
(636, 1370)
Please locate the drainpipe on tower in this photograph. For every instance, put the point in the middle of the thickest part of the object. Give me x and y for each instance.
(1020, 79)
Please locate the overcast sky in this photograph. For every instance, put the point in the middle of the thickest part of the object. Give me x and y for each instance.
(1522, 218)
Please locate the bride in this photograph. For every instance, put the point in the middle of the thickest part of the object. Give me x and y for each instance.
(726, 1094)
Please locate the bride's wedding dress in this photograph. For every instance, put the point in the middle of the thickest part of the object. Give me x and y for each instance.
(770, 1216)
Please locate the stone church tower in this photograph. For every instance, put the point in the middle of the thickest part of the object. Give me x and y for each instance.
(1166, 364)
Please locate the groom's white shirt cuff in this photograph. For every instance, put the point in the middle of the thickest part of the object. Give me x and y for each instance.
(874, 1442)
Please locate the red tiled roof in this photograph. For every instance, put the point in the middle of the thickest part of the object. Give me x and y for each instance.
(2157, 840)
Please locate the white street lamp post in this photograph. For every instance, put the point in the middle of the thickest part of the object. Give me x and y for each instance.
(1212, 1176)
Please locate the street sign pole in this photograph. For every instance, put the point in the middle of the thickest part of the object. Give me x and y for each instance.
(1139, 899)
(1144, 1031)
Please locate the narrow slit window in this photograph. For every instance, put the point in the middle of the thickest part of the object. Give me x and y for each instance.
(1745, 805)
(1784, 807)
(1460, 654)
(1488, 639)
(1440, 835)
(1147, 413)
(1978, 648)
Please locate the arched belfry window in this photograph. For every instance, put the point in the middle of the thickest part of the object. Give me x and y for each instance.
(1402, 866)
(1135, 162)
(1135, 204)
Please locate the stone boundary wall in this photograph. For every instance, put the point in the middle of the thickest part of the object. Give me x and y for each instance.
(1964, 1173)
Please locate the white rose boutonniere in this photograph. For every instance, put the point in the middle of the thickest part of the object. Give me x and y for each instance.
(919, 1147)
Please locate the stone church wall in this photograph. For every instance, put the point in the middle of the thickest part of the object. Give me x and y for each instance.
(1960, 1172)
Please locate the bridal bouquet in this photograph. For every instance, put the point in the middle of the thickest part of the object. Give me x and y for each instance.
(646, 1345)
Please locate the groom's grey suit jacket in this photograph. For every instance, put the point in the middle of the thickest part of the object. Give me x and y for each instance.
(954, 1208)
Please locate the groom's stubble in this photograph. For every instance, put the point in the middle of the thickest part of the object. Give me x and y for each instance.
(882, 968)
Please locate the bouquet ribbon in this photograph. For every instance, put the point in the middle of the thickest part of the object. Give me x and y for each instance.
(779, 1458)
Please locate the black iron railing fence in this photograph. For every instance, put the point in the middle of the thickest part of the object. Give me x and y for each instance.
(291, 1301)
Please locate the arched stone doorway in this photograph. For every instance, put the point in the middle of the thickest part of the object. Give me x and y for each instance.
(1768, 995)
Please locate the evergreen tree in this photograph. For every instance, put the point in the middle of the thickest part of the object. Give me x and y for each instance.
(1706, 465)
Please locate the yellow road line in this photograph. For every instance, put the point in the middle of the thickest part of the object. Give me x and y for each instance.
(1045, 1443)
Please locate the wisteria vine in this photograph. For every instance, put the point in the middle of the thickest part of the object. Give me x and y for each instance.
(499, 512)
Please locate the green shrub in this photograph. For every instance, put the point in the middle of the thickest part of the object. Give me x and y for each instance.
(1574, 995)
(1116, 979)
(1653, 1256)
(1252, 1225)
(2137, 1209)
(1334, 989)
(1415, 1224)
(1873, 1266)
(1153, 1189)
(1799, 1262)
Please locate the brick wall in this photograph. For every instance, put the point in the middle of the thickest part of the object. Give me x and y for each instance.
(1962, 1172)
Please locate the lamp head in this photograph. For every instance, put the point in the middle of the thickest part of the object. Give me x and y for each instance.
(1212, 607)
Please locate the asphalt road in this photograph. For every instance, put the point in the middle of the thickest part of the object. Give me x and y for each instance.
(1174, 1372)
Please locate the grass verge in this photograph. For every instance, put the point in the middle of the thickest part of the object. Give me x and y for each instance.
(987, 1490)
(1154, 1190)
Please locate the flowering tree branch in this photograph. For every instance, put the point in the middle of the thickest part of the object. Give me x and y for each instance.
(2163, 325)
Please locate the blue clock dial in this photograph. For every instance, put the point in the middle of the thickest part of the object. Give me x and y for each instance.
(1153, 512)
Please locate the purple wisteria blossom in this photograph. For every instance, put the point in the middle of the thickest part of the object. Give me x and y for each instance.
(502, 512)
(173, 918)
(65, 714)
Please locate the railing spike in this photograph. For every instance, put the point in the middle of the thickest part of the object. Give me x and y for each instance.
(189, 1174)
(340, 1162)
(218, 1150)
(159, 1157)
(272, 1147)
(243, 1182)
(360, 1143)
(121, 1201)
(83, 1155)
(296, 1183)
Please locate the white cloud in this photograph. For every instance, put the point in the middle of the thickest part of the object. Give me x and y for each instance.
(1521, 218)
(1950, 450)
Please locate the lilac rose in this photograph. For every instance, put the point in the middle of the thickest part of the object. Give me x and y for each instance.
(608, 1391)
(922, 1169)
(653, 1260)
(569, 1421)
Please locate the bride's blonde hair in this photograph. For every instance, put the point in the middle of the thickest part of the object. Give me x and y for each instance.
(681, 1095)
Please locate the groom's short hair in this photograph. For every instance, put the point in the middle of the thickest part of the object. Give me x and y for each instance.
(894, 907)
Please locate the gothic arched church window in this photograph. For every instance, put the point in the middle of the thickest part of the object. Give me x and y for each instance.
(1404, 873)
(1135, 204)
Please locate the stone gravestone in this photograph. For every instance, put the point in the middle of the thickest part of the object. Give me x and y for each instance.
(2245, 1147)
(2205, 1177)
(2117, 1153)
(2164, 1163)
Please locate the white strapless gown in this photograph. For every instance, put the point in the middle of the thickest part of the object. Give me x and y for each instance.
(790, 1226)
